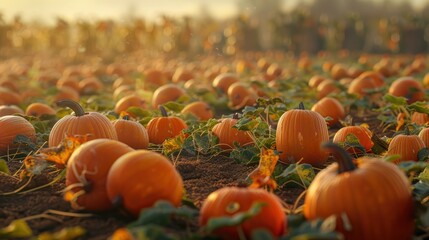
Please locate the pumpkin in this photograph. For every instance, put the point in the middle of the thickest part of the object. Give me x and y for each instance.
(123, 91)
(93, 124)
(362, 134)
(299, 134)
(161, 128)
(224, 80)
(315, 81)
(273, 71)
(407, 146)
(39, 109)
(131, 133)
(370, 198)
(419, 118)
(228, 134)
(166, 93)
(424, 135)
(407, 87)
(181, 74)
(64, 93)
(326, 87)
(87, 170)
(339, 71)
(241, 95)
(9, 97)
(330, 107)
(377, 78)
(72, 82)
(90, 85)
(10, 110)
(155, 77)
(128, 101)
(12, 126)
(361, 86)
(140, 178)
(230, 201)
(199, 109)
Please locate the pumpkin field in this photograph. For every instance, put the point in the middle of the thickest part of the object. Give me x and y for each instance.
(132, 133)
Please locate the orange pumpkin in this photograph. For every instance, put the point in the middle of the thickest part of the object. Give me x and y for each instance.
(65, 92)
(409, 88)
(132, 133)
(424, 135)
(315, 81)
(93, 124)
(12, 126)
(90, 85)
(230, 201)
(126, 102)
(361, 86)
(39, 109)
(166, 93)
(224, 80)
(363, 135)
(386, 212)
(72, 82)
(228, 134)
(326, 87)
(407, 146)
(330, 107)
(241, 95)
(199, 109)
(10, 110)
(9, 97)
(140, 178)
(155, 77)
(419, 118)
(299, 130)
(161, 128)
(182, 75)
(87, 170)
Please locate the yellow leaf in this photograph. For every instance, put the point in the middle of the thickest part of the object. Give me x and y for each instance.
(261, 176)
(122, 234)
(400, 121)
(16, 229)
(63, 151)
(68, 233)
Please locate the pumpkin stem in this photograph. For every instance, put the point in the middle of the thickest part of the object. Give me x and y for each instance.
(301, 106)
(75, 106)
(163, 111)
(345, 162)
(126, 117)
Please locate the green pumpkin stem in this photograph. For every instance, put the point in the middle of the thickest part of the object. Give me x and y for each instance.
(75, 106)
(163, 111)
(345, 162)
(301, 106)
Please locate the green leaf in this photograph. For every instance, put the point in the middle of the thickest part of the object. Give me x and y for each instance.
(235, 220)
(420, 107)
(297, 174)
(315, 229)
(410, 166)
(245, 154)
(247, 124)
(424, 175)
(151, 231)
(25, 142)
(3, 167)
(423, 154)
(395, 100)
(162, 213)
(139, 112)
(262, 234)
(420, 190)
(16, 229)
(174, 106)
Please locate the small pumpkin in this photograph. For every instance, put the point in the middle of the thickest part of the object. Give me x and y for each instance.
(228, 134)
(298, 131)
(10, 110)
(199, 109)
(405, 145)
(9, 97)
(128, 101)
(132, 133)
(161, 128)
(326, 87)
(230, 201)
(419, 118)
(361, 86)
(94, 124)
(424, 135)
(363, 134)
(64, 93)
(39, 109)
(371, 195)
(87, 170)
(140, 178)
(409, 88)
(330, 107)
(241, 95)
(224, 80)
(90, 85)
(166, 93)
(12, 126)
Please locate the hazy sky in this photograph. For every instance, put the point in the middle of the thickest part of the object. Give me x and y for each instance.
(47, 10)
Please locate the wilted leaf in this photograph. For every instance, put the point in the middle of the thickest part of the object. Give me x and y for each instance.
(67, 233)
(3, 167)
(16, 229)
(261, 176)
(235, 220)
(400, 121)
(61, 153)
(173, 145)
(297, 174)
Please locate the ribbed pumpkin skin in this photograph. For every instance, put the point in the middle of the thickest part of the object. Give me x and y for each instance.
(95, 157)
(161, 128)
(299, 134)
(199, 109)
(376, 198)
(11, 126)
(424, 135)
(405, 145)
(228, 135)
(166, 93)
(330, 107)
(93, 123)
(419, 118)
(360, 132)
(131, 133)
(141, 178)
(229, 201)
(407, 87)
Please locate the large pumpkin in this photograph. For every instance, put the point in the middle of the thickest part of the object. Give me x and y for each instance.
(12, 126)
(228, 134)
(299, 134)
(87, 171)
(93, 124)
(373, 197)
(140, 178)
(163, 127)
(230, 201)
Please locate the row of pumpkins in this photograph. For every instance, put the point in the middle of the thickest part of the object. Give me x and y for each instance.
(97, 185)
